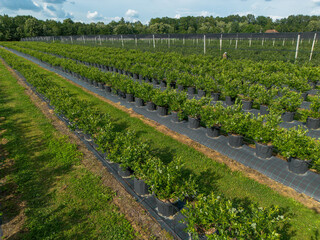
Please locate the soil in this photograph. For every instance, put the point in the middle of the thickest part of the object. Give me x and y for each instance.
(143, 223)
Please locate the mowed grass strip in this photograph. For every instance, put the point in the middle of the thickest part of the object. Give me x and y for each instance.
(42, 173)
(212, 176)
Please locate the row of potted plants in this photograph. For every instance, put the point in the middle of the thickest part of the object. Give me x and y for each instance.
(288, 102)
(167, 181)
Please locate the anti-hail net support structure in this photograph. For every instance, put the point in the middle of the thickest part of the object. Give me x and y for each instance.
(293, 47)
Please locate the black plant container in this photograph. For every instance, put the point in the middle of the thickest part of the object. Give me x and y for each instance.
(191, 90)
(193, 123)
(313, 123)
(264, 151)
(140, 77)
(107, 89)
(247, 105)
(140, 187)
(163, 84)
(139, 102)
(175, 117)
(135, 76)
(129, 97)
(166, 209)
(230, 100)
(151, 106)
(304, 96)
(287, 116)
(215, 96)
(235, 141)
(173, 85)
(213, 132)
(162, 111)
(264, 110)
(102, 86)
(180, 87)
(298, 166)
(201, 93)
(124, 172)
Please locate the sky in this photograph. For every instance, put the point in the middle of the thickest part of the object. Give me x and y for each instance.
(143, 10)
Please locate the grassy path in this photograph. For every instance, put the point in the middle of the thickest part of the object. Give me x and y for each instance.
(46, 193)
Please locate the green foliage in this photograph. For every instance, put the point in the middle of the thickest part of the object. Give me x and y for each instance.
(289, 102)
(219, 218)
(213, 115)
(193, 107)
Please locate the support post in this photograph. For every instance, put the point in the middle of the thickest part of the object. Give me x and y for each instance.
(204, 44)
(154, 42)
(314, 40)
(297, 47)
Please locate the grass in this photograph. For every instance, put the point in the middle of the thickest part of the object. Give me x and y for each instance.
(62, 200)
(213, 176)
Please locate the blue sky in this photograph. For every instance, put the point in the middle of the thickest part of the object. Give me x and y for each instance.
(143, 10)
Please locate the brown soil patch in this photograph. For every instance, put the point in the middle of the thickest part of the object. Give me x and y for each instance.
(143, 223)
(232, 164)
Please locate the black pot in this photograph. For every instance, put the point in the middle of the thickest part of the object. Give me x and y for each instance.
(201, 93)
(313, 123)
(121, 94)
(102, 86)
(213, 132)
(140, 77)
(215, 96)
(193, 122)
(175, 117)
(129, 97)
(107, 89)
(235, 140)
(298, 166)
(124, 172)
(162, 111)
(191, 90)
(139, 102)
(304, 96)
(180, 87)
(163, 84)
(99, 84)
(264, 110)
(140, 187)
(173, 85)
(230, 100)
(263, 151)
(151, 106)
(166, 209)
(247, 105)
(287, 116)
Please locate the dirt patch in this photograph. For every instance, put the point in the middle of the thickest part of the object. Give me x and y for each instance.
(142, 222)
(232, 164)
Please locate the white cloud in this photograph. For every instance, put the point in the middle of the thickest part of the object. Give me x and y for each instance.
(132, 13)
(177, 16)
(92, 15)
(204, 14)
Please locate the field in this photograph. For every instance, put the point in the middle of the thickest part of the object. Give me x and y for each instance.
(276, 84)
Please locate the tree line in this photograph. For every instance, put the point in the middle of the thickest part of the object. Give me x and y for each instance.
(15, 28)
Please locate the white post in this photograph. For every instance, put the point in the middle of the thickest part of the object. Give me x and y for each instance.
(183, 41)
(283, 42)
(154, 43)
(71, 40)
(297, 47)
(230, 41)
(236, 44)
(220, 42)
(204, 44)
(314, 40)
(273, 42)
(100, 40)
(250, 42)
(262, 42)
(122, 43)
(136, 41)
(292, 41)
